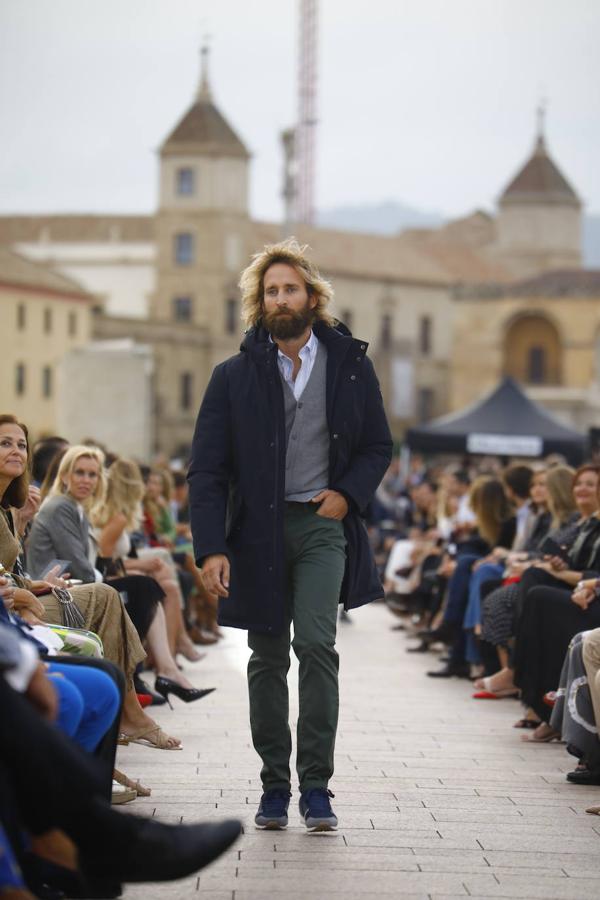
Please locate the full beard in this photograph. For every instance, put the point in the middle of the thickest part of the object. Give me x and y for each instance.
(285, 326)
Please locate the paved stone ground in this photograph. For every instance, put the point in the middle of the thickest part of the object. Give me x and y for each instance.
(436, 795)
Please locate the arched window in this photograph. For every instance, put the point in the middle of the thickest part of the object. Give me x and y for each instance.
(532, 351)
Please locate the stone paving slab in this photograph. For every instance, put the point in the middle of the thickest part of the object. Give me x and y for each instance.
(437, 796)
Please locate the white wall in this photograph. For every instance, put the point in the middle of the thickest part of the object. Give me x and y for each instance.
(105, 392)
(120, 274)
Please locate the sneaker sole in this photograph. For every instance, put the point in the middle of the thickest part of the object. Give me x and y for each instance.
(319, 826)
(272, 825)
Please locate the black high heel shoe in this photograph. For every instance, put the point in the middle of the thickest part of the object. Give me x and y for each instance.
(165, 686)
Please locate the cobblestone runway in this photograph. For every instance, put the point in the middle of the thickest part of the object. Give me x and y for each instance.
(436, 794)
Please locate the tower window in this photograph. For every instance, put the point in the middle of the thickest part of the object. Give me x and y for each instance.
(21, 316)
(185, 390)
(536, 366)
(46, 381)
(20, 379)
(72, 324)
(185, 182)
(386, 331)
(184, 248)
(47, 320)
(424, 404)
(425, 335)
(231, 315)
(182, 309)
(346, 318)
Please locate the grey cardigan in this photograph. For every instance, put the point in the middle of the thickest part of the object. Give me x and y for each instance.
(59, 532)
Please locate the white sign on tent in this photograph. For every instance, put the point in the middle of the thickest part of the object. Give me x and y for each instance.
(505, 444)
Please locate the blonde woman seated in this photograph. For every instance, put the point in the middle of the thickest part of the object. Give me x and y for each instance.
(101, 607)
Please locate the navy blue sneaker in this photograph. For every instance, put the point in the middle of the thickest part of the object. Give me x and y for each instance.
(316, 810)
(272, 810)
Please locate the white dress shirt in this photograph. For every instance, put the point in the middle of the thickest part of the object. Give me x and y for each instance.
(307, 355)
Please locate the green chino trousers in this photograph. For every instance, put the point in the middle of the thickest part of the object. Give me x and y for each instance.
(315, 558)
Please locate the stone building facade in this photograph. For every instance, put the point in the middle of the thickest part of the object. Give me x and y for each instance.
(44, 316)
(435, 305)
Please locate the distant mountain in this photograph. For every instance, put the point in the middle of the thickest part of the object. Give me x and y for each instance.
(390, 217)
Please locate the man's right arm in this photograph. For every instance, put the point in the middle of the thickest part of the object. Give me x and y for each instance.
(210, 470)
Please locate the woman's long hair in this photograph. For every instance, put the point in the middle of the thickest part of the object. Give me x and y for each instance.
(491, 507)
(18, 490)
(291, 254)
(559, 485)
(68, 463)
(124, 494)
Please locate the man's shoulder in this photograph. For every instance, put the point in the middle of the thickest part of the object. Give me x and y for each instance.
(232, 363)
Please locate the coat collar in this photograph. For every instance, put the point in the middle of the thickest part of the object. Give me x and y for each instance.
(337, 339)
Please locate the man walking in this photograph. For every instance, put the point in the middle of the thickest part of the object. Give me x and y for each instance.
(290, 444)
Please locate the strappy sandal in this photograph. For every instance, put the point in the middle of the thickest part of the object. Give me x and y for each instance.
(137, 786)
(485, 684)
(121, 794)
(150, 736)
(550, 735)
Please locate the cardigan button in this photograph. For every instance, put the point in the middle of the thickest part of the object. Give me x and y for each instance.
(353, 378)
(363, 346)
(335, 437)
(358, 358)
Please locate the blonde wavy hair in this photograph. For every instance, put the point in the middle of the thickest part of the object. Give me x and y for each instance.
(68, 463)
(124, 494)
(491, 507)
(559, 485)
(292, 254)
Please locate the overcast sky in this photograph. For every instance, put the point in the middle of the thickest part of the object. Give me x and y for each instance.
(428, 102)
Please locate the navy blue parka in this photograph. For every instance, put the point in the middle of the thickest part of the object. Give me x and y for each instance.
(237, 472)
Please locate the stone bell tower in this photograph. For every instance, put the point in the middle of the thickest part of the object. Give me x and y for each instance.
(539, 217)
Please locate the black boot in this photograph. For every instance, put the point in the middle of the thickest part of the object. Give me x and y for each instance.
(452, 670)
(158, 852)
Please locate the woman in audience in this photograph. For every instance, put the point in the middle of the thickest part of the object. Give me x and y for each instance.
(573, 714)
(495, 528)
(544, 592)
(555, 605)
(100, 605)
(115, 517)
(499, 606)
(160, 532)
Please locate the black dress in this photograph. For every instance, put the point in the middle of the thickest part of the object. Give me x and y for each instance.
(549, 620)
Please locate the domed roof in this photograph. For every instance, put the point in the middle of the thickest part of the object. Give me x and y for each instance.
(540, 181)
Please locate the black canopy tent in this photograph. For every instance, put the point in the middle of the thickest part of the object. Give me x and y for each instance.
(505, 423)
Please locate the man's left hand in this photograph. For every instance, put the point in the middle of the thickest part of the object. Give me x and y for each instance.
(333, 505)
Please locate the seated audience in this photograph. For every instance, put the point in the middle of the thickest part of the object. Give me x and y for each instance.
(98, 605)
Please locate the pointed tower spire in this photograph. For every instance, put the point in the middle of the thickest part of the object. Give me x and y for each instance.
(204, 93)
(540, 143)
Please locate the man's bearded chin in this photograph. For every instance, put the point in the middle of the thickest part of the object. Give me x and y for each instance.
(285, 325)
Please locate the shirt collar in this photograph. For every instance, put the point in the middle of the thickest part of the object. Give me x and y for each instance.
(309, 349)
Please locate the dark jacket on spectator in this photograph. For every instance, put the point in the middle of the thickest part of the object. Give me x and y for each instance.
(237, 472)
